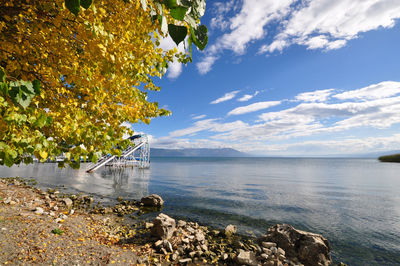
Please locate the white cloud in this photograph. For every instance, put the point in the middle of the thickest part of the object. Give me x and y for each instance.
(228, 96)
(315, 24)
(174, 68)
(247, 97)
(327, 24)
(314, 96)
(198, 117)
(253, 107)
(374, 91)
(206, 64)
(221, 9)
(323, 113)
(208, 124)
(246, 26)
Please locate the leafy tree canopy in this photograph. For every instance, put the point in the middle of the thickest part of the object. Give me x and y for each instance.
(72, 71)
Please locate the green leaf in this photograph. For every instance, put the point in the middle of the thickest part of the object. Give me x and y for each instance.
(178, 12)
(85, 3)
(8, 160)
(73, 6)
(171, 4)
(41, 121)
(199, 36)
(4, 88)
(178, 33)
(2, 75)
(36, 86)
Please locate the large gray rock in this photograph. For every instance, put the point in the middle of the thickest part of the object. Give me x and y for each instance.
(153, 200)
(246, 258)
(309, 248)
(164, 226)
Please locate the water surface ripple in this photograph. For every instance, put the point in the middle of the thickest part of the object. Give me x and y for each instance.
(355, 203)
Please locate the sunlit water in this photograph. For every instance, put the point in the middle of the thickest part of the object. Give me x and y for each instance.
(355, 203)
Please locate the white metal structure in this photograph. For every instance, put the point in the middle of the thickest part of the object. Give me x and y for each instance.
(128, 156)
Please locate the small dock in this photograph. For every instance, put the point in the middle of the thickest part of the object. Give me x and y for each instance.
(141, 149)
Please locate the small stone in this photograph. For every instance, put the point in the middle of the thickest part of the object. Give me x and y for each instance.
(181, 223)
(72, 211)
(58, 220)
(267, 251)
(107, 210)
(4, 229)
(274, 250)
(158, 243)
(7, 200)
(230, 230)
(215, 232)
(39, 210)
(204, 247)
(13, 202)
(246, 258)
(148, 225)
(168, 246)
(264, 256)
(63, 216)
(67, 202)
(192, 254)
(185, 240)
(281, 251)
(187, 260)
(174, 256)
(225, 256)
(268, 244)
(55, 208)
(51, 213)
(200, 237)
(163, 250)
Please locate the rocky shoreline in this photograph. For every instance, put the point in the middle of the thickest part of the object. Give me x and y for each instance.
(74, 229)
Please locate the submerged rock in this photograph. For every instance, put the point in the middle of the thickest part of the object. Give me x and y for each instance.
(163, 226)
(153, 200)
(308, 248)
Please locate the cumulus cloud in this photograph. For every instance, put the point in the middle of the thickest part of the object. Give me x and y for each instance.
(246, 26)
(328, 25)
(315, 24)
(228, 96)
(327, 112)
(253, 107)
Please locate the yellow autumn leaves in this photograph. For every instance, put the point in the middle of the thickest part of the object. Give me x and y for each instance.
(93, 70)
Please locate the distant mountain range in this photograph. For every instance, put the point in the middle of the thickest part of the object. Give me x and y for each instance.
(223, 152)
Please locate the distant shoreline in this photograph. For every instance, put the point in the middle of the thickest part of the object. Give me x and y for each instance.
(394, 158)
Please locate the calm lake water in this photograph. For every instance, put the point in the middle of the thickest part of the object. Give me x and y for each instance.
(354, 203)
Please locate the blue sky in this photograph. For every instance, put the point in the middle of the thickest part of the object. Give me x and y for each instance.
(309, 78)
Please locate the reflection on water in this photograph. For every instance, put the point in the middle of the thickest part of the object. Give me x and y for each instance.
(355, 203)
(107, 182)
